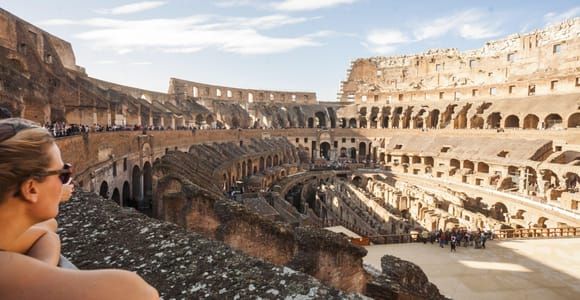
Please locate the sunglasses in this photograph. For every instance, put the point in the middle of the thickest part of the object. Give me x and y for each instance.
(64, 174)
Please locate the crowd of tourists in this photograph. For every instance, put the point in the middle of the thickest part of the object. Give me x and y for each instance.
(456, 238)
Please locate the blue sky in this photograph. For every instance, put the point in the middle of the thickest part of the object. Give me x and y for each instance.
(302, 45)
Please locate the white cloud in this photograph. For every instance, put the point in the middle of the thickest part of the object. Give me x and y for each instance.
(469, 24)
(132, 8)
(555, 18)
(477, 31)
(385, 41)
(191, 34)
(301, 5)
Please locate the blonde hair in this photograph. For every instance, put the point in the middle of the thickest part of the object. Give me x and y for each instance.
(22, 154)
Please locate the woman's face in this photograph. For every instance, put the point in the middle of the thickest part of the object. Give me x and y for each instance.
(50, 188)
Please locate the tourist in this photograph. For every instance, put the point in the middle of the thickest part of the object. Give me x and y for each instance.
(33, 181)
(483, 239)
(453, 243)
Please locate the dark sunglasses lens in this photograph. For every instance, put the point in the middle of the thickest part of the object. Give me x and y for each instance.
(65, 177)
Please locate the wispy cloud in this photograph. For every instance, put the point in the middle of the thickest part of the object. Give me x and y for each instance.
(301, 5)
(192, 34)
(132, 8)
(554, 18)
(285, 5)
(384, 41)
(468, 24)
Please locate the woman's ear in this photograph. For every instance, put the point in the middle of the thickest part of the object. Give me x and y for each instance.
(29, 190)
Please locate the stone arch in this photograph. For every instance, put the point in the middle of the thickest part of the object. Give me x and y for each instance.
(433, 119)
(553, 121)
(147, 186)
(363, 122)
(499, 211)
(320, 119)
(512, 121)
(353, 153)
(454, 163)
(116, 196)
(199, 119)
(419, 120)
(531, 121)
(352, 123)
(374, 118)
(468, 164)
(310, 122)
(362, 150)
(209, 120)
(542, 222)
(250, 169)
(268, 161)
(137, 187)
(126, 194)
(494, 120)
(482, 167)
(262, 164)
(325, 150)
(574, 120)
(104, 189)
(343, 123)
(276, 160)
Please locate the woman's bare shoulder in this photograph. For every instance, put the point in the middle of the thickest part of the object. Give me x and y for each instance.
(22, 277)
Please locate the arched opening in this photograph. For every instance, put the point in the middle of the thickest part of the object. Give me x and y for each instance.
(147, 186)
(574, 121)
(482, 167)
(467, 164)
(104, 190)
(433, 119)
(268, 161)
(494, 120)
(199, 120)
(352, 123)
(363, 122)
(276, 160)
(553, 121)
(332, 117)
(126, 194)
(454, 163)
(512, 122)
(325, 150)
(572, 180)
(343, 152)
(116, 196)
(209, 120)
(374, 117)
(499, 211)
(249, 168)
(362, 151)
(542, 222)
(343, 123)
(353, 154)
(262, 164)
(137, 187)
(418, 122)
(531, 122)
(320, 119)
(311, 122)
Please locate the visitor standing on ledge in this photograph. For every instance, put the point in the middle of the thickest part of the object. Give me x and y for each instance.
(33, 181)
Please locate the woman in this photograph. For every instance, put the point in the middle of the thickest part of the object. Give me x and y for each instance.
(32, 177)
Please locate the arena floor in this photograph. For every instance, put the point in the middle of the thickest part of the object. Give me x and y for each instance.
(517, 269)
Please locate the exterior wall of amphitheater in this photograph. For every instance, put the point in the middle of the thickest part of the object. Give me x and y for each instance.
(501, 121)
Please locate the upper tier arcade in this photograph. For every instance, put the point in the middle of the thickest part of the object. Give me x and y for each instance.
(543, 62)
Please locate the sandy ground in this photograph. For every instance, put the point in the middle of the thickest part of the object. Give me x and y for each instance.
(518, 269)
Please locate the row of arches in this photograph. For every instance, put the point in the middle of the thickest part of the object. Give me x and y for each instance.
(137, 194)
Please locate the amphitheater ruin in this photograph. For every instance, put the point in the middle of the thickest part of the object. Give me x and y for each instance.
(485, 139)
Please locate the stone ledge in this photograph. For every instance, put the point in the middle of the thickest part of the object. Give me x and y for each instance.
(97, 233)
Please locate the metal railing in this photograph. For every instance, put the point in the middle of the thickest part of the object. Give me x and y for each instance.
(502, 234)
